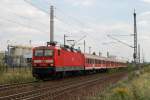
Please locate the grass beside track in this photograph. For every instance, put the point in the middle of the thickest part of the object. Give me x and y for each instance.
(16, 76)
(136, 87)
(21, 75)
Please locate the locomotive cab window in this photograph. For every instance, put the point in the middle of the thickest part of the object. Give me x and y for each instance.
(48, 53)
(38, 53)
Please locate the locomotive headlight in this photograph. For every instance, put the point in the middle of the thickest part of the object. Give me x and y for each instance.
(37, 61)
(49, 61)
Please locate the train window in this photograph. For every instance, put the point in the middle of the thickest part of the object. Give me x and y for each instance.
(104, 62)
(38, 53)
(90, 61)
(58, 52)
(48, 53)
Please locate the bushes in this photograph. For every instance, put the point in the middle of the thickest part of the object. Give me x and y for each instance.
(16, 76)
(121, 93)
(136, 87)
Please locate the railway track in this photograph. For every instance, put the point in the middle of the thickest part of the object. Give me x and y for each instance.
(55, 89)
(38, 89)
(23, 87)
(11, 86)
(52, 94)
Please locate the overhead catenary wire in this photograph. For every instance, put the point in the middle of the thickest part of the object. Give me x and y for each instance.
(9, 19)
(48, 13)
(81, 24)
(93, 39)
(26, 26)
(120, 41)
(30, 3)
(116, 35)
(45, 12)
(75, 20)
(81, 31)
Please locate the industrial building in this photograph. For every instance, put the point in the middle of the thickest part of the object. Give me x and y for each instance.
(19, 56)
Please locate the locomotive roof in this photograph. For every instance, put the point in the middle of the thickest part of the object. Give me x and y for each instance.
(57, 47)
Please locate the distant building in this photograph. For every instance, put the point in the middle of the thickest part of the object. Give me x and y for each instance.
(19, 56)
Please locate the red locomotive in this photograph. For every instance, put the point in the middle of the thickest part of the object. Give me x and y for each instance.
(53, 60)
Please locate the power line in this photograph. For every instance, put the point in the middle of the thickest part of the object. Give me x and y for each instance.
(35, 6)
(81, 24)
(123, 35)
(75, 20)
(120, 41)
(63, 23)
(43, 11)
(21, 24)
(25, 18)
(81, 31)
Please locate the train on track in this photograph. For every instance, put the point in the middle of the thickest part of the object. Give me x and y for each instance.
(53, 60)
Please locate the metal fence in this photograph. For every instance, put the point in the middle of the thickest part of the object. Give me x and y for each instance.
(5, 68)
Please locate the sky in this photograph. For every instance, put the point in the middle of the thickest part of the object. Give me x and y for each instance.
(25, 20)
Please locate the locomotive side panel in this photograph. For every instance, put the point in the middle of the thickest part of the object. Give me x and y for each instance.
(69, 61)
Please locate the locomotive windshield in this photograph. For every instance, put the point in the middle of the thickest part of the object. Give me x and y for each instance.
(48, 53)
(43, 53)
(38, 53)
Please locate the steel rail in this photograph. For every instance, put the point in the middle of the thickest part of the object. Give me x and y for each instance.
(61, 90)
(29, 94)
(14, 85)
(53, 93)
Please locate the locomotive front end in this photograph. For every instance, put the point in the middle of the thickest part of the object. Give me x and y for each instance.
(43, 61)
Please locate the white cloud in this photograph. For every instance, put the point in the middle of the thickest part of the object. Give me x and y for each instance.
(21, 22)
(144, 21)
(145, 13)
(81, 2)
(147, 1)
